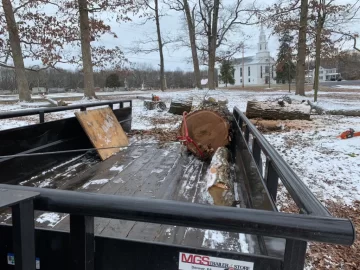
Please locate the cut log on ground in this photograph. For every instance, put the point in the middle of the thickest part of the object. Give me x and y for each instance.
(273, 111)
(152, 105)
(54, 102)
(266, 125)
(180, 106)
(218, 178)
(208, 129)
(319, 110)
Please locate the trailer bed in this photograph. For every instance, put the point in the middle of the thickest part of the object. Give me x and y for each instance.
(145, 170)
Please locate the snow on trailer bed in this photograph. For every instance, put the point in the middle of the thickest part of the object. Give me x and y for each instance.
(146, 170)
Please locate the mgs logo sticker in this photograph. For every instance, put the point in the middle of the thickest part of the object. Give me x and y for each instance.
(189, 261)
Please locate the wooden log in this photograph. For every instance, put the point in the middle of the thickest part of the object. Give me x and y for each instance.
(208, 129)
(152, 105)
(267, 125)
(219, 185)
(273, 111)
(180, 106)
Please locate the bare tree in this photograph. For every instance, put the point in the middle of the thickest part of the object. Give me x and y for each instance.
(215, 25)
(301, 55)
(14, 38)
(152, 12)
(89, 89)
(184, 6)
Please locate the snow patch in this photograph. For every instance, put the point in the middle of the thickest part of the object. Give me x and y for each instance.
(213, 238)
(347, 86)
(51, 218)
(157, 171)
(95, 182)
(117, 168)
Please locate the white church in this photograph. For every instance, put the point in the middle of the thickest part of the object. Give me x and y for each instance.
(258, 69)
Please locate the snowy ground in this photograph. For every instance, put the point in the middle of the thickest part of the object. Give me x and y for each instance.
(330, 167)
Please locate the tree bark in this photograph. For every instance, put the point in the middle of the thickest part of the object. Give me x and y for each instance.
(192, 38)
(300, 64)
(219, 184)
(21, 80)
(89, 89)
(273, 111)
(319, 29)
(162, 68)
(212, 37)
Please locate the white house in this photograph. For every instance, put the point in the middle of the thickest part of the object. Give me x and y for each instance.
(327, 74)
(257, 67)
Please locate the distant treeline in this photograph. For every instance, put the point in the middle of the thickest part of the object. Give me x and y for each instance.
(141, 75)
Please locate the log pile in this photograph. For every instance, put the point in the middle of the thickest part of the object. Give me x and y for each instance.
(180, 106)
(152, 105)
(277, 110)
(219, 185)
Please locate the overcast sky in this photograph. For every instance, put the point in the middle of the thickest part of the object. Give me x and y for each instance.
(129, 33)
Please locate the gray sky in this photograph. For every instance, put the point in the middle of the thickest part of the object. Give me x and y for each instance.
(129, 33)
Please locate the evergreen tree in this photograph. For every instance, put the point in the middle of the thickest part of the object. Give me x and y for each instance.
(285, 67)
(112, 81)
(227, 71)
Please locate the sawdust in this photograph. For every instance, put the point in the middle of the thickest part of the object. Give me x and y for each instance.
(159, 134)
(323, 256)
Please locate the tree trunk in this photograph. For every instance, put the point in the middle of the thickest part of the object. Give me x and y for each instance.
(212, 45)
(317, 57)
(300, 64)
(162, 68)
(21, 80)
(273, 111)
(89, 89)
(191, 28)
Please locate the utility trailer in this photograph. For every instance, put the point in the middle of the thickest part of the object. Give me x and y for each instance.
(146, 207)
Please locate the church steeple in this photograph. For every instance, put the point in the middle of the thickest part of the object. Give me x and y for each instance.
(262, 45)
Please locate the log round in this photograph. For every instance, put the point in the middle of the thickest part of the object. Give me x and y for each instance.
(208, 129)
(273, 111)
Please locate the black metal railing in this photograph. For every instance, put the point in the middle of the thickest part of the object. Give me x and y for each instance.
(42, 111)
(276, 168)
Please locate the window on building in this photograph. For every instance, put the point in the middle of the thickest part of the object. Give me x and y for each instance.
(260, 71)
(241, 80)
(260, 47)
(266, 69)
(248, 71)
(249, 79)
(321, 72)
(240, 72)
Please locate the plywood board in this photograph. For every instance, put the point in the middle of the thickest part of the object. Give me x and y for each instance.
(103, 130)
